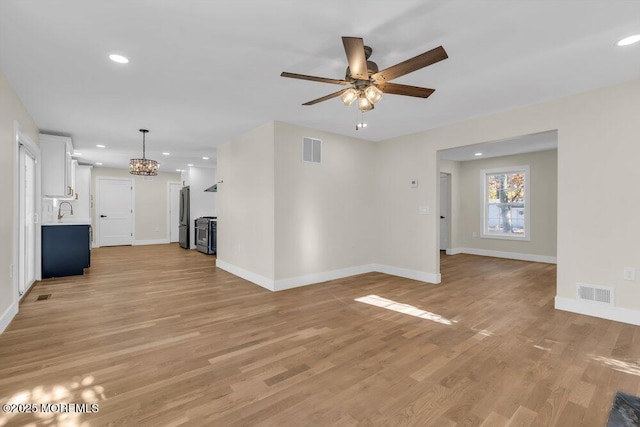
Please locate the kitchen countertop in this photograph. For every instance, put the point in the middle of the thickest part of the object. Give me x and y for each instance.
(69, 221)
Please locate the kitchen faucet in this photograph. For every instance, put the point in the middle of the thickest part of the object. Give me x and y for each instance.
(60, 215)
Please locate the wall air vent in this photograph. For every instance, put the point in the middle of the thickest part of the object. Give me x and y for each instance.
(599, 294)
(311, 150)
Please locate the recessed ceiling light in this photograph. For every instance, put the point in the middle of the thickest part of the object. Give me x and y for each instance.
(477, 154)
(629, 40)
(179, 170)
(75, 153)
(165, 154)
(98, 163)
(190, 164)
(361, 125)
(205, 158)
(119, 59)
(101, 146)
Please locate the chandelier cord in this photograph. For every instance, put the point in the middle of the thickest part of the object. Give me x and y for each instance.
(143, 144)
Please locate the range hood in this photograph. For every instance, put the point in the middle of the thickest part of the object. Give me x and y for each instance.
(212, 189)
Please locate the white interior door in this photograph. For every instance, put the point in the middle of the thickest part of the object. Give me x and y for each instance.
(27, 267)
(115, 211)
(444, 211)
(174, 211)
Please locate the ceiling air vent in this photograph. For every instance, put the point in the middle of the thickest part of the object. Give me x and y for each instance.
(599, 294)
(311, 150)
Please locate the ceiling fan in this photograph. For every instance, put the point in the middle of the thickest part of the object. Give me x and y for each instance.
(366, 83)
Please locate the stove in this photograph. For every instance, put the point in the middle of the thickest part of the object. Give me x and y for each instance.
(205, 233)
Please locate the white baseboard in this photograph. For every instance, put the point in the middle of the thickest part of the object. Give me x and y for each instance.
(501, 254)
(246, 274)
(619, 314)
(310, 279)
(151, 242)
(8, 316)
(421, 276)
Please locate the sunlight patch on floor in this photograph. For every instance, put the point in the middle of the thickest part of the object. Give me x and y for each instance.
(80, 390)
(628, 367)
(377, 301)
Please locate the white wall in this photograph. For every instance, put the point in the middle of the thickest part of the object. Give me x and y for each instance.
(11, 111)
(408, 240)
(323, 212)
(597, 167)
(150, 204)
(543, 179)
(202, 203)
(245, 206)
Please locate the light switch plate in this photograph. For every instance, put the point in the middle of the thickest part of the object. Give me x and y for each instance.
(424, 210)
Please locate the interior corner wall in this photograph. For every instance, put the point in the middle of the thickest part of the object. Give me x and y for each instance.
(150, 204)
(543, 184)
(201, 203)
(245, 206)
(11, 110)
(324, 218)
(597, 166)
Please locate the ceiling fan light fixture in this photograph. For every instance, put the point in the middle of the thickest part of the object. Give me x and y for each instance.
(143, 166)
(349, 96)
(373, 94)
(364, 104)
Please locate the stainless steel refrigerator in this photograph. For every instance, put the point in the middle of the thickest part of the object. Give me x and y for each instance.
(183, 233)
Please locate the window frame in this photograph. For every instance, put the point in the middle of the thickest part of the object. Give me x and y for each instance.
(526, 236)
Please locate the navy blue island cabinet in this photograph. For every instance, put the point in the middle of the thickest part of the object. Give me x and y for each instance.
(66, 250)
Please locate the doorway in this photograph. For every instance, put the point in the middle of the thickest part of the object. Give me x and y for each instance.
(27, 260)
(115, 211)
(174, 211)
(471, 229)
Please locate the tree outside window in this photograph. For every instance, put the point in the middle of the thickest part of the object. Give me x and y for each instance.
(505, 200)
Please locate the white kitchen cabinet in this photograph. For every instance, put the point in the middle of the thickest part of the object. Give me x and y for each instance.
(82, 202)
(58, 169)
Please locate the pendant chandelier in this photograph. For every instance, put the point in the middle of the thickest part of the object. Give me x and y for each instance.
(143, 166)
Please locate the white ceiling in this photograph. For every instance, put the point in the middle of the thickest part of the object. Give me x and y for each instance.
(203, 72)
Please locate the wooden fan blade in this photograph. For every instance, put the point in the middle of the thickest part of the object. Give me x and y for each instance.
(406, 90)
(354, 48)
(410, 65)
(314, 78)
(324, 98)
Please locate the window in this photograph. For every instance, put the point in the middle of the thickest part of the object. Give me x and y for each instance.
(505, 198)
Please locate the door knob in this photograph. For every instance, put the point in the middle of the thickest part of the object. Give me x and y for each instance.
(103, 216)
(441, 217)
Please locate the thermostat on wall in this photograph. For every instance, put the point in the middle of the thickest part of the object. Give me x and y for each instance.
(414, 183)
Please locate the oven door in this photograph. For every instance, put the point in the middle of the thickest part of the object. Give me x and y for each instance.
(202, 235)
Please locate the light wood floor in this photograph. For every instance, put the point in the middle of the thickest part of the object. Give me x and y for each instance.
(156, 335)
